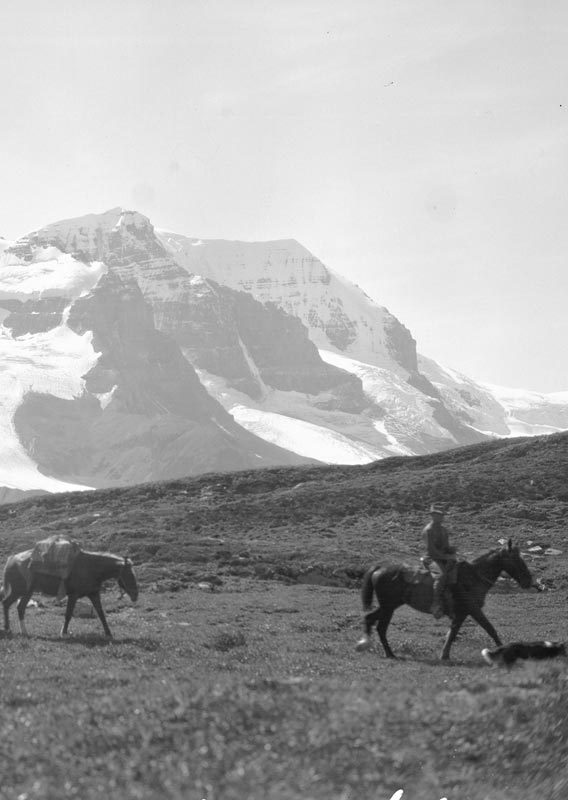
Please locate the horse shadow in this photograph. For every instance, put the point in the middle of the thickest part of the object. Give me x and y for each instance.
(432, 661)
(93, 640)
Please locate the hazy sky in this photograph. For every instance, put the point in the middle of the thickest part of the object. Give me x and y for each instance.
(418, 147)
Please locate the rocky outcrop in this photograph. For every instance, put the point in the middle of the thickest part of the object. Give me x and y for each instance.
(401, 345)
(33, 316)
(252, 345)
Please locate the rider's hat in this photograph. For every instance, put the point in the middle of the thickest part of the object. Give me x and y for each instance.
(438, 508)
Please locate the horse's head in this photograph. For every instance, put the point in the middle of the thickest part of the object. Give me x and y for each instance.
(514, 565)
(127, 580)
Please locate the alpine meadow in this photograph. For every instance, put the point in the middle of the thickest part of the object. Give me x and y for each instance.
(236, 675)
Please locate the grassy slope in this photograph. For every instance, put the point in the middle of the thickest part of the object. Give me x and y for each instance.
(254, 690)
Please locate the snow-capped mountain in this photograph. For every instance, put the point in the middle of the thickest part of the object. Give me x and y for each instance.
(427, 406)
(131, 356)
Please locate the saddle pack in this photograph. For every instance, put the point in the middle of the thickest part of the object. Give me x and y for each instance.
(54, 556)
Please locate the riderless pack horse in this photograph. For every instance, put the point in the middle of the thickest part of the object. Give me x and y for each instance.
(399, 584)
(86, 576)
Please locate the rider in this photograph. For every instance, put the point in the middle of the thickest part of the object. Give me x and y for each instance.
(439, 551)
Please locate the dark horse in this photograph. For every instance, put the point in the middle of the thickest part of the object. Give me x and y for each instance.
(399, 585)
(88, 572)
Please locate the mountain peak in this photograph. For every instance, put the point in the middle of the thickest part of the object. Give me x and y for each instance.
(93, 237)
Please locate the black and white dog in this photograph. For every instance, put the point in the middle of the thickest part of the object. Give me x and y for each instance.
(507, 654)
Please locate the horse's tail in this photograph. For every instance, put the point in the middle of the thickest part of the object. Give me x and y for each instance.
(368, 588)
(6, 588)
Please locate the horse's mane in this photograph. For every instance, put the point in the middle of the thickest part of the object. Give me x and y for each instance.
(484, 556)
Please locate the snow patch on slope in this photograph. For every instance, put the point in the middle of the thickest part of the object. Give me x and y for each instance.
(304, 438)
(50, 273)
(531, 413)
(50, 363)
(288, 420)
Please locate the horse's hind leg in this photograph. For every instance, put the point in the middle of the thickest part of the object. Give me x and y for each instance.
(22, 604)
(369, 620)
(69, 609)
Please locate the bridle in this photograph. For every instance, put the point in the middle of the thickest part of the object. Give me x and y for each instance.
(126, 563)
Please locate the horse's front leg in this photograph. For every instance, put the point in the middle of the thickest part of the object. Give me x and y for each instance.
(385, 616)
(482, 620)
(7, 603)
(70, 608)
(96, 601)
(22, 605)
(451, 636)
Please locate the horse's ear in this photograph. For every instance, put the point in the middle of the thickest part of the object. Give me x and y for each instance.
(510, 544)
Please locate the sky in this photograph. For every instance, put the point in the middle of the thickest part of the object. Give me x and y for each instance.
(419, 148)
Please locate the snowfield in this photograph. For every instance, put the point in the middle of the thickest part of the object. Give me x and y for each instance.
(52, 362)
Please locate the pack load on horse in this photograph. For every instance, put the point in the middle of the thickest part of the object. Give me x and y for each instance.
(399, 584)
(53, 556)
(57, 567)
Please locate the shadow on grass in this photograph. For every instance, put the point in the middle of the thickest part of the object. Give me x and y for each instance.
(452, 662)
(98, 640)
(432, 661)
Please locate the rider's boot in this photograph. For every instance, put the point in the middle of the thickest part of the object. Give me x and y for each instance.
(437, 609)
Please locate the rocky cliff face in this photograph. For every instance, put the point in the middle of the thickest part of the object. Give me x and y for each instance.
(338, 315)
(340, 319)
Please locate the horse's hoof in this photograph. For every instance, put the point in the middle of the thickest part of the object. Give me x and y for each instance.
(363, 644)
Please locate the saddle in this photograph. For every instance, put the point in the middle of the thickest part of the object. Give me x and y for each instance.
(424, 576)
